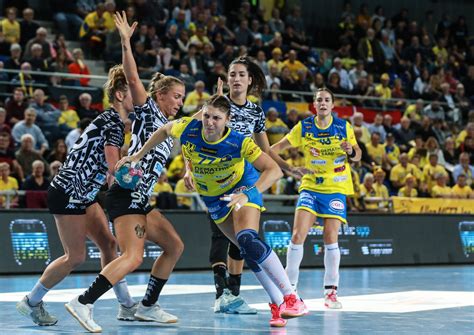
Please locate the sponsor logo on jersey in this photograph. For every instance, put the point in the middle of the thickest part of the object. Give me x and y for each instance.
(319, 180)
(192, 135)
(340, 169)
(71, 206)
(314, 152)
(158, 168)
(323, 134)
(336, 205)
(340, 160)
(209, 150)
(202, 186)
(231, 144)
(339, 179)
(100, 178)
(318, 162)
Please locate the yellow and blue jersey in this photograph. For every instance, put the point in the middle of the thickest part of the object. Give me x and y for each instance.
(217, 166)
(323, 155)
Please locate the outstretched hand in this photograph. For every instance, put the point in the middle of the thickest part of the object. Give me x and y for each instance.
(220, 86)
(124, 160)
(124, 29)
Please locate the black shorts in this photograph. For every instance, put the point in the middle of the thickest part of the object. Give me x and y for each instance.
(120, 201)
(61, 203)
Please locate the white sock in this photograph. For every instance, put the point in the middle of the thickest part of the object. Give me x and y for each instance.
(294, 256)
(273, 268)
(332, 258)
(122, 293)
(37, 293)
(276, 296)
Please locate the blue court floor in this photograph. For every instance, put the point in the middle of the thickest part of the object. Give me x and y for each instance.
(389, 300)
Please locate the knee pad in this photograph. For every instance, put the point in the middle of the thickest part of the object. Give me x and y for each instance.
(234, 252)
(252, 248)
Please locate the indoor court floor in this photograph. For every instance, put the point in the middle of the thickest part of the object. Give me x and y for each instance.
(376, 300)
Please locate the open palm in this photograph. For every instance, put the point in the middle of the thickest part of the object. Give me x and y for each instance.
(124, 29)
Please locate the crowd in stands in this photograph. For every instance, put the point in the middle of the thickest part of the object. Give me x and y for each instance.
(422, 68)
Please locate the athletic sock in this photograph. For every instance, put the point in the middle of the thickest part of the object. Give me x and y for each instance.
(37, 293)
(155, 285)
(95, 291)
(273, 268)
(332, 258)
(294, 257)
(220, 271)
(233, 283)
(122, 293)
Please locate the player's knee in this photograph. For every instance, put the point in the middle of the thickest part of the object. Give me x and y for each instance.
(234, 252)
(133, 260)
(252, 247)
(76, 258)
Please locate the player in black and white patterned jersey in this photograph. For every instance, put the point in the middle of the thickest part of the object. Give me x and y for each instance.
(72, 199)
(133, 217)
(244, 77)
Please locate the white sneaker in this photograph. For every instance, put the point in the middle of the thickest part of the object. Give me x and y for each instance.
(83, 314)
(227, 301)
(330, 299)
(127, 313)
(38, 313)
(154, 313)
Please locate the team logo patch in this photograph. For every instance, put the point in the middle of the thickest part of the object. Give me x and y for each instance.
(336, 205)
(338, 179)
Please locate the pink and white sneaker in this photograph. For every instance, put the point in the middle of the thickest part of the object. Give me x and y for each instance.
(277, 320)
(330, 299)
(294, 307)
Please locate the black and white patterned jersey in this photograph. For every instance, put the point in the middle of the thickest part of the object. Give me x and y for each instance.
(247, 119)
(148, 119)
(85, 169)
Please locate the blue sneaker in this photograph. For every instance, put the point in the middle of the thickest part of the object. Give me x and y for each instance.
(243, 308)
(227, 301)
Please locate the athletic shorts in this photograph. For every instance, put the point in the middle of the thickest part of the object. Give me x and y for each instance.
(62, 204)
(323, 205)
(218, 210)
(120, 201)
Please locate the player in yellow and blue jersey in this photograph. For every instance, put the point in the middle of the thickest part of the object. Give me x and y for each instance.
(224, 165)
(327, 143)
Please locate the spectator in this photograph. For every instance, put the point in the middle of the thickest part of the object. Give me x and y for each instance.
(400, 171)
(276, 24)
(85, 110)
(199, 38)
(4, 127)
(358, 123)
(61, 64)
(294, 65)
(145, 61)
(381, 190)
(69, 118)
(26, 155)
(370, 51)
(28, 126)
(276, 128)
(357, 72)
(383, 90)
(367, 191)
(392, 152)
(462, 101)
(243, 35)
(186, 77)
(176, 169)
(461, 190)
(74, 134)
(463, 167)
(94, 29)
(404, 134)
(67, 18)
(28, 26)
(467, 131)
(183, 202)
(36, 181)
(441, 190)
(39, 63)
(54, 168)
(415, 111)
(195, 99)
(7, 183)
(430, 171)
(79, 67)
(15, 106)
(409, 188)
(14, 61)
(7, 155)
(11, 26)
(161, 186)
(59, 46)
(42, 108)
(276, 60)
(434, 111)
(452, 112)
(41, 39)
(378, 127)
(194, 62)
(292, 118)
(345, 82)
(58, 153)
(450, 154)
(375, 149)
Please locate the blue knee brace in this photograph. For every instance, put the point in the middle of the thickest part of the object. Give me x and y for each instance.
(252, 248)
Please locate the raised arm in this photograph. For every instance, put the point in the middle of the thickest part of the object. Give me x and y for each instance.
(158, 136)
(139, 94)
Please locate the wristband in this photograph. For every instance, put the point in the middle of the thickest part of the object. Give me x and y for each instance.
(353, 153)
(252, 193)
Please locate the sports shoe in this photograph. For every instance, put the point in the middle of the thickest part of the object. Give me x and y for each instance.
(127, 313)
(227, 301)
(154, 313)
(293, 307)
(38, 313)
(277, 320)
(244, 308)
(83, 314)
(330, 299)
